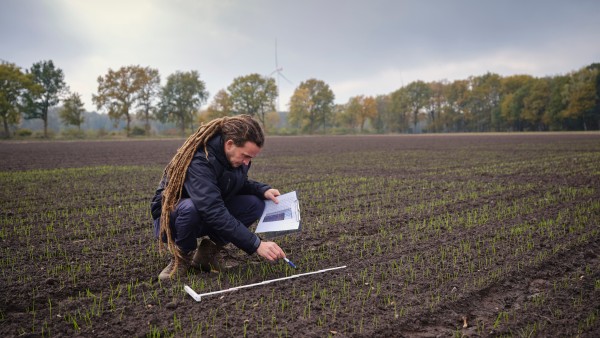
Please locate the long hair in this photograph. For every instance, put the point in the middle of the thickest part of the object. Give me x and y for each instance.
(239, 128)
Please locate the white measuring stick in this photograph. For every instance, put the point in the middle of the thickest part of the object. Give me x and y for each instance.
(198, 297)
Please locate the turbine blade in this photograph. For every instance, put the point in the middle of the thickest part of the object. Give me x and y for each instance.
(283, 76)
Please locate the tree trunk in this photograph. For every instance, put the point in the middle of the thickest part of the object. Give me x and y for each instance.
(128, 122)
(6, 131)
(147, 126)
(416, 116)
(45, 108)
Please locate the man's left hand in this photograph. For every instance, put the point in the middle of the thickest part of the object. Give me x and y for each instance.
(272, 194)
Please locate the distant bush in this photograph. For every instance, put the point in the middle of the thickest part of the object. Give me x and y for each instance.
(285, 131)
(23, 132)
(72, 133)
(138, 131)
(101, 133)
(173, 132)
(40, 134)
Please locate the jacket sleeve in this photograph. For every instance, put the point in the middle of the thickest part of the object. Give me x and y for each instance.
(156, 203)
(201, 186)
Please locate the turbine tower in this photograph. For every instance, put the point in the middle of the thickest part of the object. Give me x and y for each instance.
(279, 71)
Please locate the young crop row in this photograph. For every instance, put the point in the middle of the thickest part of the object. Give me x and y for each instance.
(418, 235)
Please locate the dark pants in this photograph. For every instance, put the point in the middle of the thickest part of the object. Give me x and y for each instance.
(186, 223)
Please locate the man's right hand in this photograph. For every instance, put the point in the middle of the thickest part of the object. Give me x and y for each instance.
(270, 251)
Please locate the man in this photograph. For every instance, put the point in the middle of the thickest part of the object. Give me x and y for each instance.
(205, 191)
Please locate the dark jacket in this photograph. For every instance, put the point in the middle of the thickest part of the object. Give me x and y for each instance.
(210, 183)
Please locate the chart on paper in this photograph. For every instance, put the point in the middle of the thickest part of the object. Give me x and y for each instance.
(280, 218)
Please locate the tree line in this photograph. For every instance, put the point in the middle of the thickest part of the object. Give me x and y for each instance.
(482, 103)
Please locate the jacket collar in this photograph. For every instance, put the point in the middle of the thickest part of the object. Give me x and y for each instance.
(216, 147)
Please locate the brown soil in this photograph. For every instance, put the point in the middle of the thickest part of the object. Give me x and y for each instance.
(369, 202)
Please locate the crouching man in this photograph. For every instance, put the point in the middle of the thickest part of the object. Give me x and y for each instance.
(205, 191)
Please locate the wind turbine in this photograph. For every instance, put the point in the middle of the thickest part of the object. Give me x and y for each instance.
(279, 71)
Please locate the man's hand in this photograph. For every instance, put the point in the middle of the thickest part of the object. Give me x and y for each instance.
(270, 251)
(272, 194)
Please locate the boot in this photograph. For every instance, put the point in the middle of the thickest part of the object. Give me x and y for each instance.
(184, 263)
(207, 256)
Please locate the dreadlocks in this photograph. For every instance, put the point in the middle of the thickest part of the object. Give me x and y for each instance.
(240, 129)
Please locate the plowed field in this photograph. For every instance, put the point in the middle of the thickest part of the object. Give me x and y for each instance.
(442, 235)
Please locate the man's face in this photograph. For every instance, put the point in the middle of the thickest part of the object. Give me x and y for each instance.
(240, 155)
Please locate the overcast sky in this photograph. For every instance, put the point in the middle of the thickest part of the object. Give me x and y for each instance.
(357, 47)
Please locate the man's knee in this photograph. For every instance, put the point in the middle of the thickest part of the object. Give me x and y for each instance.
(185, 215)
(246, 208)
(256, 203)
(185, 206)
(184, 224)
(256, 206)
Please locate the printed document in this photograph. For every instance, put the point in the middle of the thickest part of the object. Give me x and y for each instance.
(282, 218)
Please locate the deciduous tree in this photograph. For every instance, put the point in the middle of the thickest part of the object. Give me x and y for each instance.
(514, 90)
(148, 95)
(13, 85)
(51, 85)
(300, 104)
(453, 117)
(118, 92)
(536, 103)
(380, 122)
(413, 99)
(552, 115)
(398, 121)
(181, 97)
(434, 108)
(483, 102)
(594, 114)
(220, 106)
(311, 106)
(254, 95)
(358, 110)
(581, 96)
(72, 111)
(349, 116)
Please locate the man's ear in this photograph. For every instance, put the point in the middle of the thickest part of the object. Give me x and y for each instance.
(229, 144)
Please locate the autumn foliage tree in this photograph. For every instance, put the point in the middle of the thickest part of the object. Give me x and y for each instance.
(367, 112)
(220, 106)
(581, 93)
(13, 85)
(535, 103)
(514, 91)
(435, 107)
(311, 106)
(481, 103)
(118, 92)
(357, 111)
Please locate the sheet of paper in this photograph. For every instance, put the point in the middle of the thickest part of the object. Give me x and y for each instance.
(282, 216)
